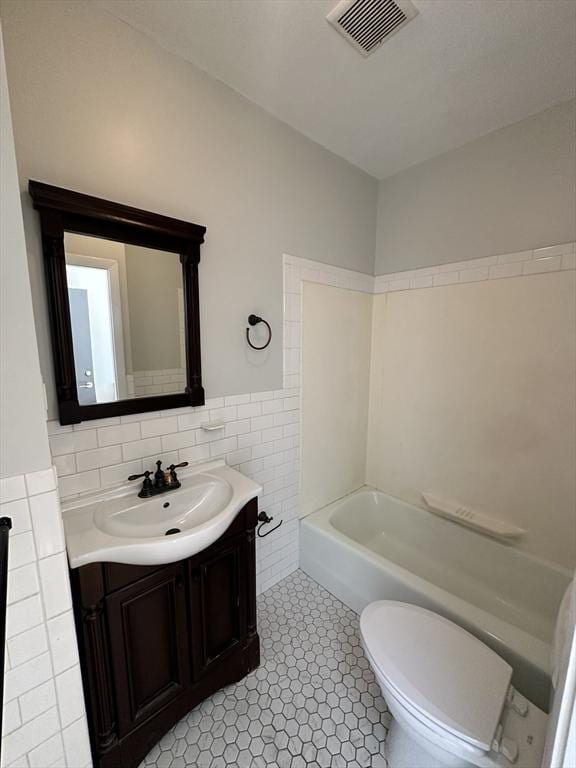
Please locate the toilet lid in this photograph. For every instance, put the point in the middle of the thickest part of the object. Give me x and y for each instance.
(442, 671)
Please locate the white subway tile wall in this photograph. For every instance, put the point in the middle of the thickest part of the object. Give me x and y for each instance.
(551, 259)
(261, 441)
(44, 717)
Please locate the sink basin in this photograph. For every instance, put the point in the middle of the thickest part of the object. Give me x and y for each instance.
(184, 509)
(116, 526)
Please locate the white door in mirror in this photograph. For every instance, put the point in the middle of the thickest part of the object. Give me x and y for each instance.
(116, 526)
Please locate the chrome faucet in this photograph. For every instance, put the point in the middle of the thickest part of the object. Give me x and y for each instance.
(163, 481)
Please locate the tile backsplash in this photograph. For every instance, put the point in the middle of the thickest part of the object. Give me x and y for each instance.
(260, 437)
(44, 716)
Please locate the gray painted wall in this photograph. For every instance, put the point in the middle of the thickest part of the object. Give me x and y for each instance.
(512, 190)
(99, 108)
(23, 435)
(153, 279)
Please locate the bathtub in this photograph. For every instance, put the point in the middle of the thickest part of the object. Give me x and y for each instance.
(369, 546)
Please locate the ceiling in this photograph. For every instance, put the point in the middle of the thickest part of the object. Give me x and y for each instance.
(460, 69)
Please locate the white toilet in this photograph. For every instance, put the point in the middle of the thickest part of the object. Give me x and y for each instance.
(449, 694)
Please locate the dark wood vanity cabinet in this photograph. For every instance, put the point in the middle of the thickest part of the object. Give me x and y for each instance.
(157, 640)
(149, 647)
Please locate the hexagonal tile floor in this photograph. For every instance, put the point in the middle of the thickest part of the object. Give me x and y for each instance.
(312, 702)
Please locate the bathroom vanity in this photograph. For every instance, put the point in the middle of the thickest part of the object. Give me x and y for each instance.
(157, 639)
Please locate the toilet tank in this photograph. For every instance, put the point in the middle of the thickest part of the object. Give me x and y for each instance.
(563, 681)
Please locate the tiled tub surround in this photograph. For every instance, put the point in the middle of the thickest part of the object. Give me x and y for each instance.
(44, 716)
(260, 437)
(312, 702)
(553, 258)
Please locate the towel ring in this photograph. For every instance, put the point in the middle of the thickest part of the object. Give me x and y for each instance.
(252, 321)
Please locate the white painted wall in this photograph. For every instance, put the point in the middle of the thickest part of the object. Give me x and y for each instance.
(512, 190)
(100, 108)
(336, 327)
(23, 437)
(473, 397)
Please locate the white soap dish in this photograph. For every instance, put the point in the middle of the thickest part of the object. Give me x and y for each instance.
(471, 519)
(211, 426)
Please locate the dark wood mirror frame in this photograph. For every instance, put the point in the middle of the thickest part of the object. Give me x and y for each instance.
(62, 210)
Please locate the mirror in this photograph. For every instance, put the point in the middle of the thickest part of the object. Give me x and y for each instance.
(126, 307)
(122, 288)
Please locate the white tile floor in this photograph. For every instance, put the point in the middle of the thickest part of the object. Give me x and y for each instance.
(312, 702)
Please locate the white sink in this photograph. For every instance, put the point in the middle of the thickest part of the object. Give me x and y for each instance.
(202, 498)
(118, 527)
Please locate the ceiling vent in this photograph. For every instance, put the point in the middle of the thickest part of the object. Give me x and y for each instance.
(366, 24)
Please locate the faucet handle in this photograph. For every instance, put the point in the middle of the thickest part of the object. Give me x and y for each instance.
(144, 474)
(146, 489)
(173, 467)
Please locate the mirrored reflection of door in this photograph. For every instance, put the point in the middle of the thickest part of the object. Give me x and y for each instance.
(93, 339)
(83, 362)
(128, 329)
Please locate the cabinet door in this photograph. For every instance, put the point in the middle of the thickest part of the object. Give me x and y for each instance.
(149, 644)
(218, 602)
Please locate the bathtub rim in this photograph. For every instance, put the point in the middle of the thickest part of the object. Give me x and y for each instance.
(564, 571)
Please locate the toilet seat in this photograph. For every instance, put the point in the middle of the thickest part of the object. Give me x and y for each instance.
(445, 676)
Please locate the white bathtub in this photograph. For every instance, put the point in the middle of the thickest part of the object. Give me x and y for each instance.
(369, 546)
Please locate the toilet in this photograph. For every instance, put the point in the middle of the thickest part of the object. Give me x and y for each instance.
(450, 695)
